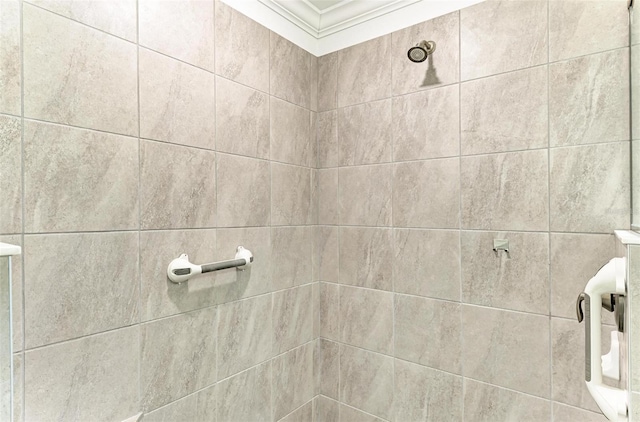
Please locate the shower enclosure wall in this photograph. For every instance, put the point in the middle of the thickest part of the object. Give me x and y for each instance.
(370, 190)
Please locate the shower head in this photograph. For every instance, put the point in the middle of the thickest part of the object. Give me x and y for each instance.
(421, 51)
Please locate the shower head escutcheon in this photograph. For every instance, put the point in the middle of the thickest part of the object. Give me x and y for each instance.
(421, 51)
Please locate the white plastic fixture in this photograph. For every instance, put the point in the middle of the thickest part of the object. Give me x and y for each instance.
(181, 270)
(612, 401)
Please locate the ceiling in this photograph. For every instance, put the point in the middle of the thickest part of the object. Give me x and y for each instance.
(323, 26)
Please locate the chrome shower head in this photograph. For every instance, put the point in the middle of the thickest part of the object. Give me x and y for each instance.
(421, 51)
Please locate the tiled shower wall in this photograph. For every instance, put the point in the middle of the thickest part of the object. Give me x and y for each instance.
(132, 132)
(517, 128)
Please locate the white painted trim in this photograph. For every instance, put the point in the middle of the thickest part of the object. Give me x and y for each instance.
(9, 250)
(392, 16)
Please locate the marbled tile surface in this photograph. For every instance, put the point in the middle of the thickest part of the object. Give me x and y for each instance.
(290, 133)
(328, 82)
(197, 407)
(291, 261)
(91, 83)
(246, 396)
(10, 174)
(366, 318)
(292, 318)
(241, 48)
(366, 258)
(79, 180)
(327, 139)
(364, 133)
(292, 380)
(291, 200)
(177, 101)
(365, 195)
(290, 71)
(330, 311)
(327, 368)
(10, 64)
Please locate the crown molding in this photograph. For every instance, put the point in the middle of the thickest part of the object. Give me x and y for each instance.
(343, 24)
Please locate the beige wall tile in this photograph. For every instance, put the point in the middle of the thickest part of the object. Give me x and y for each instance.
(290, 71)
(505, 191)
(328, 196)
(181, 195)
(500, 36)
(244, 334)
(11, 173)
(242, 119)
(518, 280)
(95, 288)
(427, 263)
(328, 150)
(364, 72)
(292, 318)
(91, 83)
(488, 403)
(564, 413)
(291, 202)
(302, 414)
(366, 382)
(328, 82)
(291, 262)
(90, 378)
(501, 347)
(364, 133)
(330, 311)
(426, 394)
(505, 112)
(327, 253)
(417, 134)
(327, 367)
(351, 414)
(79, 180)
(576, 27)
(590, 188)
(589, 99)
(198, 407)
(17, 313)
(10, 63)
(177, 101)
(365, 195)
(366, 319)
(366, 257)
(290, 133)
(242, 48)
(292, 380)
(440, 68)
(325, 410)
(246, 396)
(249, 205)
(416, 184)
(184, 30)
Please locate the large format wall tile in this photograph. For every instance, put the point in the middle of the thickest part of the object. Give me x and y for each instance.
(589, 99)
(17, 312)
(440, 68)
(326, 410)
(426, 263)
(177, 357)
(302, 414)
(351, 414)
(292, 380)
(10, 63)
(78, 179)
(428, 332)
(244, 334)
(364, 72)
(159, 296)
(366, 319)
(117, 17)
(328, 196)
(426, 394)
(90, 79)
(10, 173)
(327, 139)
(416, 184)
(505, 191)
(198, 407)
(290, 71)
(177, 101)
(291, 260)
(501, 347)
(290, 133)
(575, 258)
(177, 186)
(242, 48)
(564, 413)
(326, 254)
(427, 124)
(92, 378)
(365, 195)
(576, 27)
(242, 119)
(366, 381)
(330, 311)
(488, 403)
(366, 258)
(246, 396)
(79, 284)
(364, 133)
(590, 188)
(290, 195)
(505, 112)
(328, 82)
(499, 36)
(327, 368)
(184, 29)
(292, 318)
(518, 280)
(244, 191)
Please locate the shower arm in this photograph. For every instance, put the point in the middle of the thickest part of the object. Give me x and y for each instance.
(181, 270)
